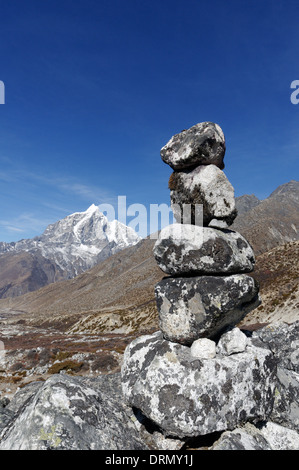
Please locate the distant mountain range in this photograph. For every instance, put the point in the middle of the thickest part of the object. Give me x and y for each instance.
(117, 295)
(65, 249)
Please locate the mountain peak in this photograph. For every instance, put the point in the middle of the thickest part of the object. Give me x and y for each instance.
(92, 208)
(292, 187)
(78, 241)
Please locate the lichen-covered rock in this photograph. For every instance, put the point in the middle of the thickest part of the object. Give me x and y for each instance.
(205, 186)
(267, 436)
(190, 397)
(283, 340)
(189, 249)
(247, 437)
(66, 413)
(202, 306)
(5, 418)
(286, 404)
(202, 144)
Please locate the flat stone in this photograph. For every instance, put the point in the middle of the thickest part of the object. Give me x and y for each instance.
(202, 144)
(189, 249)
(203, 306)
(204, 187)
(186, 396)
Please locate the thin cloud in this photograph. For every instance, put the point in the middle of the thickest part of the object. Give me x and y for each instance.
(14, 229)
(25, 222)
(63, 184)
(90, 193)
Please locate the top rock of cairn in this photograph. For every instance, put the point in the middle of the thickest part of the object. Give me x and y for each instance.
(202, 144)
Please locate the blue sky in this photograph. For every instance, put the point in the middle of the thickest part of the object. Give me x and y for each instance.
(95, 88)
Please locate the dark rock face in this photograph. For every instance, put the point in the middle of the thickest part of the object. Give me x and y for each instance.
(196, 307)
(206, 187)
(188, 249)
(202, 144)
(188, 397)
(25, 272)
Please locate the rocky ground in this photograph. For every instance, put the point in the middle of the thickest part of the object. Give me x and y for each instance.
(69, 412)
(34, 354)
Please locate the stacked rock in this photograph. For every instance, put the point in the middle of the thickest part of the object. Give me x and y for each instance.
(200, 373)
(207, 290)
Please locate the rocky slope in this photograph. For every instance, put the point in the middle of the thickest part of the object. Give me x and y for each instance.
(272, 221)
(26, 272)
(278, 274)
(71, 246)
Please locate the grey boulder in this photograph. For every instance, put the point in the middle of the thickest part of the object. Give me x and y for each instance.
(205, 193)
(190, 249)
(203, 306)
(283, 340)
(266, 436)
(186, 396)
(202, 144)
(69, 413)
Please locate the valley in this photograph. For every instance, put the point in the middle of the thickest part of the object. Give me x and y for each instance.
(81, 325)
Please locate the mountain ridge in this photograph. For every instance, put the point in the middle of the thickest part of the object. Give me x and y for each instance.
(272, 221)
(72, 245)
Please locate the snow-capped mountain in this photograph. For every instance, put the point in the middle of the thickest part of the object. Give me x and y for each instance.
(79, 241)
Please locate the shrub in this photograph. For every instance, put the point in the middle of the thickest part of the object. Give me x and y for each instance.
(68, 366)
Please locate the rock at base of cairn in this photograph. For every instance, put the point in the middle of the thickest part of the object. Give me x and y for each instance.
(186, 396)
(203, 306)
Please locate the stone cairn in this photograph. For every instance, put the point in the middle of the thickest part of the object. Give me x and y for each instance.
(200, 373)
